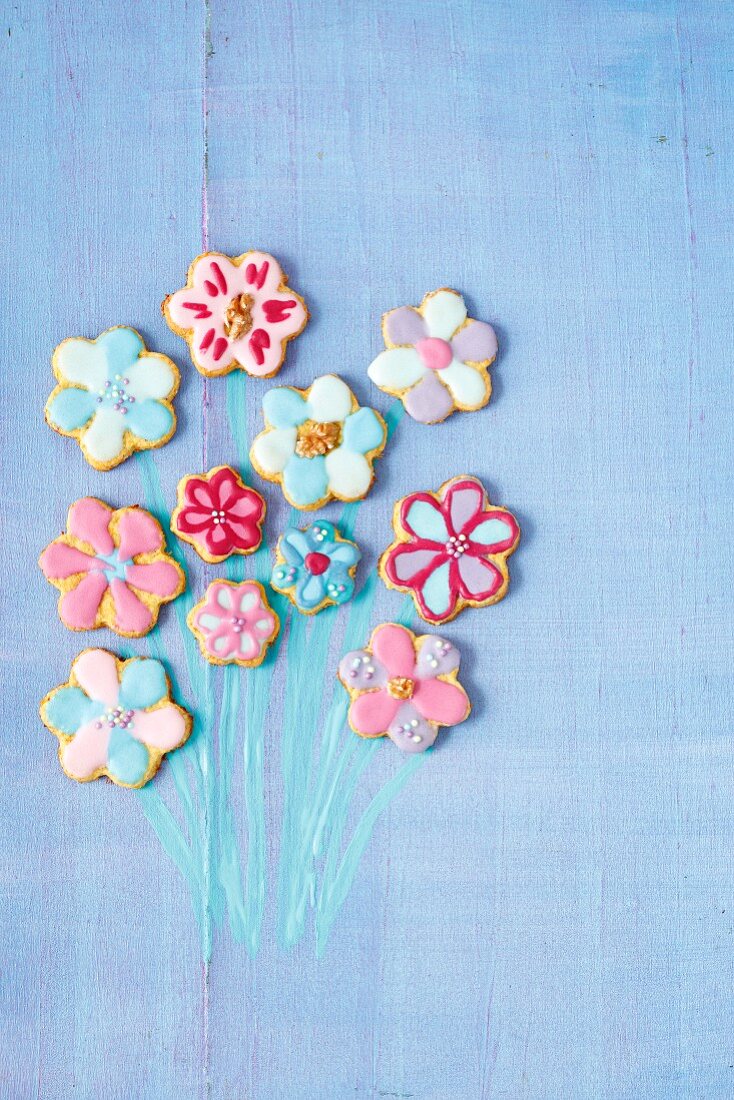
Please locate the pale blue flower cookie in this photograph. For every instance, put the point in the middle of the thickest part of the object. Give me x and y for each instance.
(315, 567)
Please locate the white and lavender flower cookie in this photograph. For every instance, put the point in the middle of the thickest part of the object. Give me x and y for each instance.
(315, 567)
(236, 313)
(234, 623)
(114, 718)
(404, 687)
(111, 569)
(319, 445)
(437, 357)
(113, 396)
(451, 549)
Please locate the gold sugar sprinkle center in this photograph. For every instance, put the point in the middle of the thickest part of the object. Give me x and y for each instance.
(401, 687)
(238, 316)
(317, 439)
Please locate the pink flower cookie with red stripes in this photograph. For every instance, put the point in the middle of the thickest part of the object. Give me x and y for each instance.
(451, 549)
(236, 313)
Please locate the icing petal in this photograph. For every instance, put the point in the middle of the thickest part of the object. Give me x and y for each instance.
(138, 533)
(349, 473)
(96, 673)
(163, 728)
(143, 684)
(243, 535)
(436, 657)
(89, 520)
(479, 578)
(248, 645)
(493, 531)
(103, 439)
(360, 671)
(151, 377)
(464, 501)
(396, 369)
(272, 449)
(436, 593)
(345, 553)
(59, 561)
(294, 546)
(71, 408)
(68, 708)
(476, 343)
(410, 732)
(329, 399)
(149, 420)
(363, 431)
(441, 702)
(468, 385)
(310, 590)
(429, 402)
(409, 564)
(284, 408)
(127, 759)
(404, 325)
(160, 578)
(305, 481)
(120, 347)
(372, 713)
(131, 614)
(86, 753)
(392, 645)
(443, 311)
(421, 516)
(78, 607)
(82, 362)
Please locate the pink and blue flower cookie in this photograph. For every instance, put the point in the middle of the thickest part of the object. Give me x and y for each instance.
(234, 623)
(315, 567)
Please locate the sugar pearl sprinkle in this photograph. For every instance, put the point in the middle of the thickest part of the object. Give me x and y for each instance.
(285, 574)
(116, 395)
(408, 727)
(320, 533)
(116, 716)
(456, 546)
(238, 624)
(357, 664)
(335, 589)
(218, 517)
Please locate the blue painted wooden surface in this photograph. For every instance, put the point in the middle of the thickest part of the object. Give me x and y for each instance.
(546, 910)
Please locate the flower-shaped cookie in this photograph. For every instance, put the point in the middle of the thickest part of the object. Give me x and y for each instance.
(218, 514)
(111, 569)
(114, 718)
(234, 623)
(319, 444)
(236, 312)
(113, 396)
(451, 549)
(436, 359)
(315, 567)
(404, 687)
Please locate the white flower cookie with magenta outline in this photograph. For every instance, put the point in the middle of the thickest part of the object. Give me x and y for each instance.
(236, 313)
(436, 359)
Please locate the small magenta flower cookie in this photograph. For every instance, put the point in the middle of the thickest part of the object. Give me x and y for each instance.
(234, 623)
(404, 687)
(437, 357)
(315, 567)
(111, 569)
(113, 396)
(319, 445)
(114, 718)
(451, 549)
(218, 514)
(236, 313)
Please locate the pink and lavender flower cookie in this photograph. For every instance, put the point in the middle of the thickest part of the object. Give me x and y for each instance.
(114, 718)
(111, 569)
(404, 687)
(234, 623)
(218, 514)
(236, 313)
(436, 359)
(451, 549)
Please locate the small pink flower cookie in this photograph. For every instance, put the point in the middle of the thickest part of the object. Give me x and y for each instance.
(451, 549)
(218, 514)
(234, 623)
(236, 313)
(404, 687)
(111, 569)
(436, 359)
(114, 718)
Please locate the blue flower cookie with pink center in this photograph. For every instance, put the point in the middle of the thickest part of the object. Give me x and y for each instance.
(315, 567)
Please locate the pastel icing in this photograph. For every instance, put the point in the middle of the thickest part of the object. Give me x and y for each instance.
(319, 444)
(111, 569)
(436, 357)
(451, 549)
(218, 514)
(113, 396)
(236, 313)
(114, 718)
(234, 623)
(404, 687)
(315, 567)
